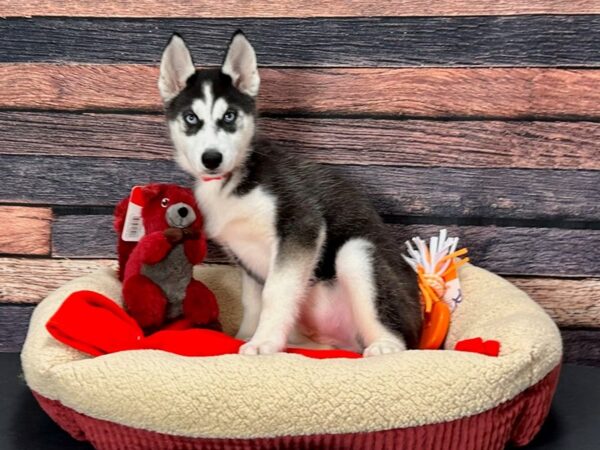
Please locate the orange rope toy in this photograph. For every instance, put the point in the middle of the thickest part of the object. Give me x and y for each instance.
(436, 266)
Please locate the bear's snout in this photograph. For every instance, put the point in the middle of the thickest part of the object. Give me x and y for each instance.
(180, 215)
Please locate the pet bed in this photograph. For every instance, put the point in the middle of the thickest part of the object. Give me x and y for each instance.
(149, 399)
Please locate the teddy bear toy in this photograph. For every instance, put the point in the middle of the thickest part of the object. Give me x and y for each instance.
(160, 240)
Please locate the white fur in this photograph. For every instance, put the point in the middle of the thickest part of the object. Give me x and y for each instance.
(245, 225)
(233, 146)
(176, 66)
(354, 269)
(252, 304)
(240, 64)
(341, 312)
(285, 289)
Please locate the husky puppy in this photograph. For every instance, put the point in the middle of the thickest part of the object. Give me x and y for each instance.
(317, 260)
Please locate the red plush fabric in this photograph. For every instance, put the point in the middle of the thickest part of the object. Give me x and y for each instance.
(517, 420)
(142, 297)
(478, 345)
(94, 324)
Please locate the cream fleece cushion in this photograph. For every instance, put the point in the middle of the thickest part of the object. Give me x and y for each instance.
(248, 396)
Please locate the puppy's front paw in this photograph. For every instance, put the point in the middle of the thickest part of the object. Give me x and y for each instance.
(384, 346)
(255, 347)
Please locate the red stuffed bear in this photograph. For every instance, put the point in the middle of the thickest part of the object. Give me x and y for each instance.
(156, 271)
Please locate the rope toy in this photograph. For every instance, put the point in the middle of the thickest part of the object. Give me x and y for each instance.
(436, 266)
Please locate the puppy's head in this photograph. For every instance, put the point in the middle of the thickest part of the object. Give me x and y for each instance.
(211, 113)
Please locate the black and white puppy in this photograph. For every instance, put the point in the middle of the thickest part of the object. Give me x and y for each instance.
(317, 260)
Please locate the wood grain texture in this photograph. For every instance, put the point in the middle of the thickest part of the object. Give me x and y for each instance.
(301, 8)
(570, 302)
(14, 322)
(25, 230)
(425, 92)
(26, 280)
(517, 250)
(581, 347)
(518, 144)
(443, 192)
(554, 40)
(542, 251)
(99, 239)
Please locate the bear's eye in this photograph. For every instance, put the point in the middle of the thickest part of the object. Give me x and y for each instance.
(164, 202)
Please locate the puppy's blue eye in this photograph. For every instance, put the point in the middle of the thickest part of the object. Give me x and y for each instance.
(229, 116)
(191, 118)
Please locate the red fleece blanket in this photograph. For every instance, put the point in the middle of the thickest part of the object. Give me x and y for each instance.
(94, 324)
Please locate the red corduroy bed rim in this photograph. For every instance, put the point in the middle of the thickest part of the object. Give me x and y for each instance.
(517, 420)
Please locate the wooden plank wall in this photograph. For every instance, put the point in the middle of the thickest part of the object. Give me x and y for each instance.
(483, 117)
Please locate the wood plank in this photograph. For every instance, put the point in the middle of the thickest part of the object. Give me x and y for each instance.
(542, 251)
(518, 144)
(100, 240)
(442, 192)
(424, 92)
(555, 40)
(301, 8)
(570, 302)
(25, 230)
(27, 280)
(581, 347)
(519, 250)
(14, 322)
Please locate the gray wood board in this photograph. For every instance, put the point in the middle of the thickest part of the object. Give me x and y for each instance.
(442, 192)
(505, 250)
(530, 40)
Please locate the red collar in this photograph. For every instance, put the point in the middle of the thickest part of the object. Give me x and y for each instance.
(220, 177)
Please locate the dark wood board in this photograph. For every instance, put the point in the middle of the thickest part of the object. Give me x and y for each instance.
(14, 321)
(506, 250)
(443, 192)
(556, 40)
(523, 93)
(511, 144)
(288, 8)
(582, 346)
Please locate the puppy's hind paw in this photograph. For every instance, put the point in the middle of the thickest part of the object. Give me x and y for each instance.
(384, 346)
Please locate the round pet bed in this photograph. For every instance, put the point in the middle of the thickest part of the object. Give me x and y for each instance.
(149, 399)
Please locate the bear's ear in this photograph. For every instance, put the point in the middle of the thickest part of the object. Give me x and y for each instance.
(151, 191)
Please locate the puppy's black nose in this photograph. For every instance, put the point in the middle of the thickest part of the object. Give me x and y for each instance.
(183, 211)
(212, 159)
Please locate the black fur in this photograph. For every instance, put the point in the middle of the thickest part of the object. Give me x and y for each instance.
(222, 86)
(310, 195)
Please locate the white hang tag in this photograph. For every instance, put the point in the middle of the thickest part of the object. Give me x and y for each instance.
(133, 230)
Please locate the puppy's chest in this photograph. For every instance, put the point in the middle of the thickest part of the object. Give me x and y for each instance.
(244, 225)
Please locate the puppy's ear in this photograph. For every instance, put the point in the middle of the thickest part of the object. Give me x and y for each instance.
(176, 67)
(240, 65)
